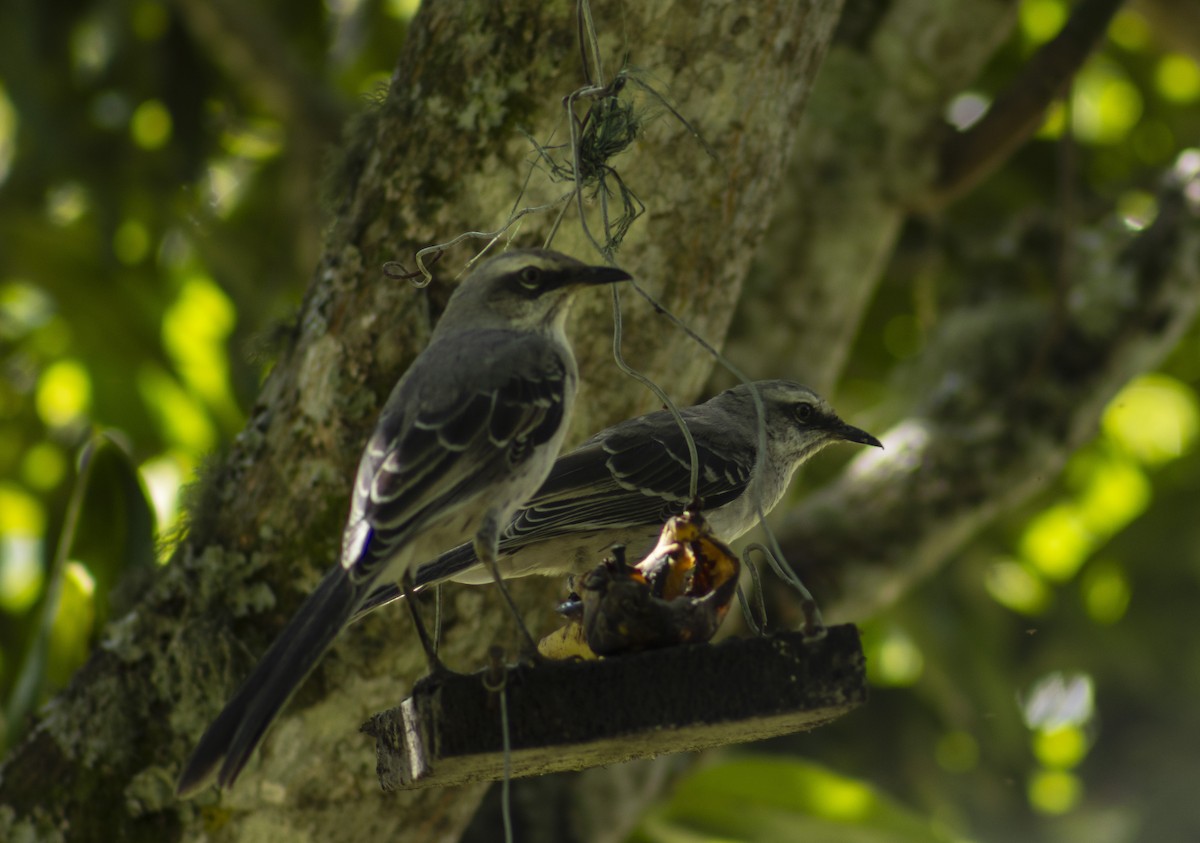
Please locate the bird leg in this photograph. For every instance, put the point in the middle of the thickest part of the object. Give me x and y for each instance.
(436, 665)
(487, 548)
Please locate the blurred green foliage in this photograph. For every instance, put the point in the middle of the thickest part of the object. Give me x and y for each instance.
(160, 217)
(772, 800)
(1042, 687)
(104, 551)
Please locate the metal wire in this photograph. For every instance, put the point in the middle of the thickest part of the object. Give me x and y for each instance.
(495, 680)
(814, 626)
(757, 626)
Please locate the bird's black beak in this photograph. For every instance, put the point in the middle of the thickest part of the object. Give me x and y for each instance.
(850, 433)
(594, 276)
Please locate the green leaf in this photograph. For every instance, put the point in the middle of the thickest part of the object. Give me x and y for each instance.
(107, 532)
(116, 529)
(759, 799)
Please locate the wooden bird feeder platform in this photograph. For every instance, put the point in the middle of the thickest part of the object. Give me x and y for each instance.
(571, 715)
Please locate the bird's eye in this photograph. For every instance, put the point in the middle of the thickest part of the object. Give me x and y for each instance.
(530, 277)
(803, 412)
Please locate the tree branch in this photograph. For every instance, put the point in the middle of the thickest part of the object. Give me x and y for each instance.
(862, 151)
(970, 156)
(997, 413)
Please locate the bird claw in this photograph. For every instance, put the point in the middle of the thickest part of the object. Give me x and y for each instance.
(814, 625)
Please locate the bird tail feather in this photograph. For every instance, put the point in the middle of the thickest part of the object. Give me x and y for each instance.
(447, 566)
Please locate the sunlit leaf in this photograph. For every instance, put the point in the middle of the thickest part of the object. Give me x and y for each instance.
(43, 466)
(1155, 418)
(21, 573)
(150, 125)
(1105, 104)
(1054, 791)
(1057, 542)
(163, 477)
(181, 417)
(1106, 592)
(1054, 122)
(195, 329)
(73, 626)
(8, 134)
(1178, 78)
(1129, 30)
(20, 512)
(23, 308)
(1042, 19)
(401, 9)
(66, 202)
(258, 140)
(374, 83)
(893, 657)
(64, 393)
(1014, 585)
(773, 800)
(225, 182)
(116, 526)
(1062, 747)
(1117, 491)
(92, 46)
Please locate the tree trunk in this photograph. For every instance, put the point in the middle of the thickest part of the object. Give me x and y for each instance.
(443, 155)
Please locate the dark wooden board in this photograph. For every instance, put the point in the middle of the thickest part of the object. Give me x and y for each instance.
(573, 715)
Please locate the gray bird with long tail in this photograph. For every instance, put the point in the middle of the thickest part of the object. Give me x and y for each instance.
(468, 434)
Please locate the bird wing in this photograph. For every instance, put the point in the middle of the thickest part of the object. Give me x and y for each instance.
(637, 472)
(444, 441)
(634, 473)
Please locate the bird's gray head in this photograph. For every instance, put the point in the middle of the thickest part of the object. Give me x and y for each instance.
(799, 422)
(526, 289)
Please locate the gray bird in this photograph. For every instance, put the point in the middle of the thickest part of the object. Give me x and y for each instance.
(621, 485)
(468, 434)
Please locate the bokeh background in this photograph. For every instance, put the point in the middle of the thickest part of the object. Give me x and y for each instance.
(161, 211)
